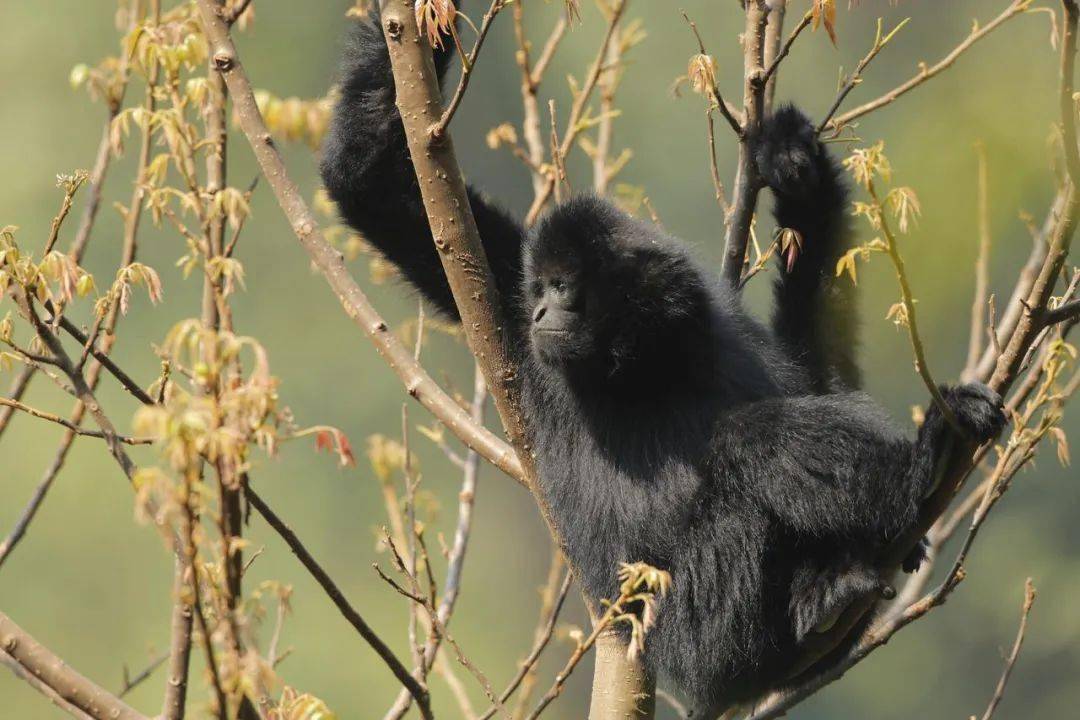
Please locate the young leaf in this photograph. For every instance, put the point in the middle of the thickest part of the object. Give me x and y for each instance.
(434, 19)
(824, 13)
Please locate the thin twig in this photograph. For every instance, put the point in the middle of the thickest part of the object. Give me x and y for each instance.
(122, 377)
(543, 637)
(856, 77)
(457, 688)
(240, 8)
(1016, 7)
(581, 100)
(714, 92)
(1025, 611)
(1063, 313)
(427, 603)
(72, 426)
(439, 129)
(908, 299)
(130, 683)
(456, 558)
(786, 47)
(982, 272)
(419, 693)
(19, 386)
(1014, 309)
(531, 76)
(61, 215)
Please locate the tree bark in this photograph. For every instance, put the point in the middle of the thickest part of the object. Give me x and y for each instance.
(622, 689)
(71, 687)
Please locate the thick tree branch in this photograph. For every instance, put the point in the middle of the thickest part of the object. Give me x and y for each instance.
(52, 672)
(36, 683)
(331, 264)
(450, 216)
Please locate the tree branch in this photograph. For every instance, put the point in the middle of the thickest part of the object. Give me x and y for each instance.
(982, 272)
(552, 596)
(1016, 7)
(331, 264)
(541, 641)
(456, 558)
(1014, 309)
(180, 626)
(420, 694)
(70, 425)
(856, 77)
(439, 129)
(999, 692)
(450, 216)
(42, 664)
(36, 683)
(19, 386)
(1065, 312)
(747, 183)
(581, 101)
(531, 77)
(775, 60)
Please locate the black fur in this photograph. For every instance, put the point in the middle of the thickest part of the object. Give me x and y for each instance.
(367, 171)
(814, 312)
(668, 425)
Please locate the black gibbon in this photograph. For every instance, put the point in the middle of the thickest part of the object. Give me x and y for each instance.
(669, 426)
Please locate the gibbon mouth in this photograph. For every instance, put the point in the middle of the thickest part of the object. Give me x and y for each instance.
(551, 331)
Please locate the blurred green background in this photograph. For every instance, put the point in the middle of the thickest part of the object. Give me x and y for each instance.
(95, 587)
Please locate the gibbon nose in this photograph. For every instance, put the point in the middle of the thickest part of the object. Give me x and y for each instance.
(540, 313)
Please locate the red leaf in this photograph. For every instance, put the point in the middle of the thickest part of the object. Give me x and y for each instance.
(333, 440)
